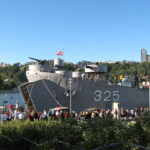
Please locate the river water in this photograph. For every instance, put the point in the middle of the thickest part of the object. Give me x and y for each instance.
(11, 97)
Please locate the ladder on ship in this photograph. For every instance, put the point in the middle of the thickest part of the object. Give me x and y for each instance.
(26, 96)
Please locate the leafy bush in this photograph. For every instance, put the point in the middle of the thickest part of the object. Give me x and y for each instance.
(87, 134)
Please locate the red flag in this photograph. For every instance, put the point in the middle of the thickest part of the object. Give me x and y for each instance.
(60, 53)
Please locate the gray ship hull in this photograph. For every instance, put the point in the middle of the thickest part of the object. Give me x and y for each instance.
(46, 94)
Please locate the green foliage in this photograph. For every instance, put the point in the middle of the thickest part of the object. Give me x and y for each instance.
(14, 74)
(70, 67)
(128, 69)
(120, 69)
(87, 134)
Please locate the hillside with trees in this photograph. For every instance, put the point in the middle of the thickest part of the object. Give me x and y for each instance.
(138, 71)
(12, 76)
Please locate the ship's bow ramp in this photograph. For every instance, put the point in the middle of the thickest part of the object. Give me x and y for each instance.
(42, 95)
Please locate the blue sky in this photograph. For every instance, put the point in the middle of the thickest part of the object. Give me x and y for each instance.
(91, 30)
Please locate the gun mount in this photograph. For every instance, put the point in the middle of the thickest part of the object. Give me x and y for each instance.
(42, 62)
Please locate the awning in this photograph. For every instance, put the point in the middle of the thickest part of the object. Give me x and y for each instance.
(90, 109)
(59, 108)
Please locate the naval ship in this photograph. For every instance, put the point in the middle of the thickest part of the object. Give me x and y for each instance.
(50, 87)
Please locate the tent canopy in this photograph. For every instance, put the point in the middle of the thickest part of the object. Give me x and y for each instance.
(60, 108)
(91, 109)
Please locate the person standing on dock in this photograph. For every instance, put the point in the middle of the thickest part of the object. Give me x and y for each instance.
(17, 104)
(4, 118)
(10, 108)
(16, 114)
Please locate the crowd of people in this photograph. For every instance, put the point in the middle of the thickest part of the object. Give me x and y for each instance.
(32, 115)
(120, 113)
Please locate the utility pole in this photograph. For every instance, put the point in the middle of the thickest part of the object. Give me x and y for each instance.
(70, 82)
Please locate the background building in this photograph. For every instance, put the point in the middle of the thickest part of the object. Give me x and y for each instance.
(148, 58)
(143, 55)
(3, 64)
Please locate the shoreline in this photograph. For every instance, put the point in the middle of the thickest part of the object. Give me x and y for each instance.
(16, 90)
